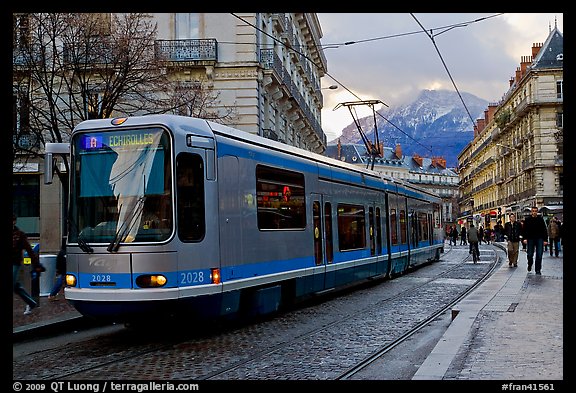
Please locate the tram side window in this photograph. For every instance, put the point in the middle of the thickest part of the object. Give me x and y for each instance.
(190, 196)
(378, 232)
(280, 199)
(328, 229)
(393, 227)
(414, 236)
(423, 222)
(403, 227)
(351, 227)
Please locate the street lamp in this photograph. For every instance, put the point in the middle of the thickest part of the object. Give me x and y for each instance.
(332, 87)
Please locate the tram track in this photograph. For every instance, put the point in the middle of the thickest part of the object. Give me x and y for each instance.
(310, 338)
(412, 332)
(366, 362)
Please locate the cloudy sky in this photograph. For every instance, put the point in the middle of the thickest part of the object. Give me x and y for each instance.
(392, 58)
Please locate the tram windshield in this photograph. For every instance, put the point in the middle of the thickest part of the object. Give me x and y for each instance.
(120, 187)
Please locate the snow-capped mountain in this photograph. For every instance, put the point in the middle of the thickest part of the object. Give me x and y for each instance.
(435, 124)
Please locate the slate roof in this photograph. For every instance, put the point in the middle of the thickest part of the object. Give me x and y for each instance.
(551, 55)
(357, 154)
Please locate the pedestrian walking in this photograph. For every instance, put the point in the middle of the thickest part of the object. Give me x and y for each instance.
(19, 244)
(499, 231)
(561, 234)
(473, 238)
(60, 272)
(487, 235)
(522, 226)
(480, 234)
(512, 232)
(534, 235)
(463, 236)
(554, 236)
(454, 235)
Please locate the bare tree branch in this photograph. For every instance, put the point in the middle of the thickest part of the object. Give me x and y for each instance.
(70, 67)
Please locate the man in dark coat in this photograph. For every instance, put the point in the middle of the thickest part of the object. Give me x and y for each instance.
(513, 231)
(19, 244)
(535, 236)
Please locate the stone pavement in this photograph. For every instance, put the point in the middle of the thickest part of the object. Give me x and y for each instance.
(49, 313)
(509, 328)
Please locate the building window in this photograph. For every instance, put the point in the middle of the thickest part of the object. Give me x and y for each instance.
(26, 202)
(560, 119)
(187, 26)
(559, 89)
(20, 113)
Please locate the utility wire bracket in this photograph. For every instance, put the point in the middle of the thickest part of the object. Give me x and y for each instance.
(373, 148)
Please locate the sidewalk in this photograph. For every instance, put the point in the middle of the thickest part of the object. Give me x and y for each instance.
(49, 313)
(509, 328)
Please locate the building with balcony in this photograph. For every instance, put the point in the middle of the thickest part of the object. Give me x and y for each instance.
(515, 160)
(265, 68)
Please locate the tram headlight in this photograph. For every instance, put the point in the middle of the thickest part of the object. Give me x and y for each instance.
(151, 280)
(70, 280)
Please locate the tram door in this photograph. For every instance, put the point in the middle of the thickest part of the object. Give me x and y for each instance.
(375, 222)
(323, 235)
(231, 234)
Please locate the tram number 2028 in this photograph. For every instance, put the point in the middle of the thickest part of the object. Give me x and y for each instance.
(101, 278)
(187, 278)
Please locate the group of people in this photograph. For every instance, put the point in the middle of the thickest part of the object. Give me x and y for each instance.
(554, 236)
(484, 235)
(20, 243)
(533, 233)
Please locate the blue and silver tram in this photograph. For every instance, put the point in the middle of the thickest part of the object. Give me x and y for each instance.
(177, 215)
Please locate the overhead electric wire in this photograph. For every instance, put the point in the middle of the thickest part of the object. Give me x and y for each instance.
(449, 27)
(445, 28)
(431, 36)
(331, 77)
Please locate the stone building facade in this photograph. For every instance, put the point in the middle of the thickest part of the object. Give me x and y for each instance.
(515, 160)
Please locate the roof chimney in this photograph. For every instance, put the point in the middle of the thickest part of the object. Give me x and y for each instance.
(398, 151)
(481, 124)
(439, 162)
(416, 157)
(524, 63)
(535, 49)
(491, 110)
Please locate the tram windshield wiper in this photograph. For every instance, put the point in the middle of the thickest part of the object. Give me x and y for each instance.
(84, 246)
(82, 243)
(127, 225)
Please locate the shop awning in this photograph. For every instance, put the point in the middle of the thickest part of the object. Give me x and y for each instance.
(552, 208)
